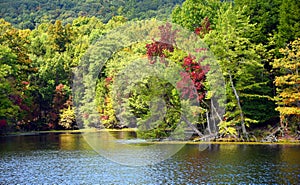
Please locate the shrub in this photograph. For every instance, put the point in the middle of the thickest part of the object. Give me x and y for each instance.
(67, 118)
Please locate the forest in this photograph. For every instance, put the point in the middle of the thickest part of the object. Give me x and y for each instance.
(28, 14)
(255, 43)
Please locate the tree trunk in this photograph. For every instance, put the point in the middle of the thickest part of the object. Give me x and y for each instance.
(208, 122)
(272, 136)
(192, 126)
(207, 117)
(217, 114)
(239, 105)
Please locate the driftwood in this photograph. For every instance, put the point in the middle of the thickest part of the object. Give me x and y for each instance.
(298, 135)
(272, 137)
(208, 137)
(191, 126)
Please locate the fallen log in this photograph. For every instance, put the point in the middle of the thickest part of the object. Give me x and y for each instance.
(272, 136)
(192, 126)
(207, 137)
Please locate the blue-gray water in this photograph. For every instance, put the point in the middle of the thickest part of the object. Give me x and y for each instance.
(67, 159)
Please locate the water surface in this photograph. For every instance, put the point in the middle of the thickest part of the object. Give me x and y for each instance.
(66, 158)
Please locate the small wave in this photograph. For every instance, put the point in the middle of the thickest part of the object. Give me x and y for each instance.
(131, 141)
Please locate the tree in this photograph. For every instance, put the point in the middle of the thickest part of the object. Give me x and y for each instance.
(15, 70)
(241, 67)
(288, 84)
(192, 12)
(156, 105)
(67, 118)
(60, 35)
(105, 102)
(53, 54)
(289, 22)
(8, 110)
(264, 14)
(191, 82)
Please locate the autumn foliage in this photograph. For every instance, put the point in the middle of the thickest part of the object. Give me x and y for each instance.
(288, 83)
(193, 77)
(165, 43)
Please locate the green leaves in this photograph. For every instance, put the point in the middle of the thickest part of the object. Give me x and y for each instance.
(191, 13)
(289, 22)
(239, 60)
(262, 13)
(15, 67)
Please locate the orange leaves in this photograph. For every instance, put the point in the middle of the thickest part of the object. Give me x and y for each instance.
(288, 110)
(288, 81)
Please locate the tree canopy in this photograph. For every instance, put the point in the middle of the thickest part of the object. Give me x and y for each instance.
(255, 44)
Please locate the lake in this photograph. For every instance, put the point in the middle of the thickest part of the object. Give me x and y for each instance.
(68, 158)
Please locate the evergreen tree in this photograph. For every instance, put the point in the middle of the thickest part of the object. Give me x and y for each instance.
(289, 22)
(264, 14)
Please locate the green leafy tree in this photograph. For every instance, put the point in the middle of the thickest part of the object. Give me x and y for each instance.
(105, 103)
(8, 110)
(60, 35)
(105, 100)
(156, 105)
(15, 70)
(53, 54)
(264, 14)
(192, 12)
(241, 68)
(289, 22)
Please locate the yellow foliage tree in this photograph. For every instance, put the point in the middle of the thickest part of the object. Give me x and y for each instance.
(288, 83)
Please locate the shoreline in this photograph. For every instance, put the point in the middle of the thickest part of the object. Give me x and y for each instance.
(224, 140)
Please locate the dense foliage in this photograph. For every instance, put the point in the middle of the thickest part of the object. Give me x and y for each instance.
(287, 82)
(255, 43)
(31, 13)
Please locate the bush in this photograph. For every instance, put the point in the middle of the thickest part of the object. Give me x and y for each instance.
(67, 118)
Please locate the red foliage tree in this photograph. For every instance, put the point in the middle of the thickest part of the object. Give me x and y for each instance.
(191, 83)
(193, 78)
(165, 43)
(204, 28)
(3, 124)
(60, 101)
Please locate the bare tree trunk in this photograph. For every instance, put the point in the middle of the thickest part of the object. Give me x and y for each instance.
(192, 126)
(207, 117)
(212, 111)
(218, 115)
(272, 136)
(208, 122)
(239, 105)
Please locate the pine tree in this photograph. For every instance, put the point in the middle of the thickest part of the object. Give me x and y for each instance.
(264, 14)
(289, 22)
